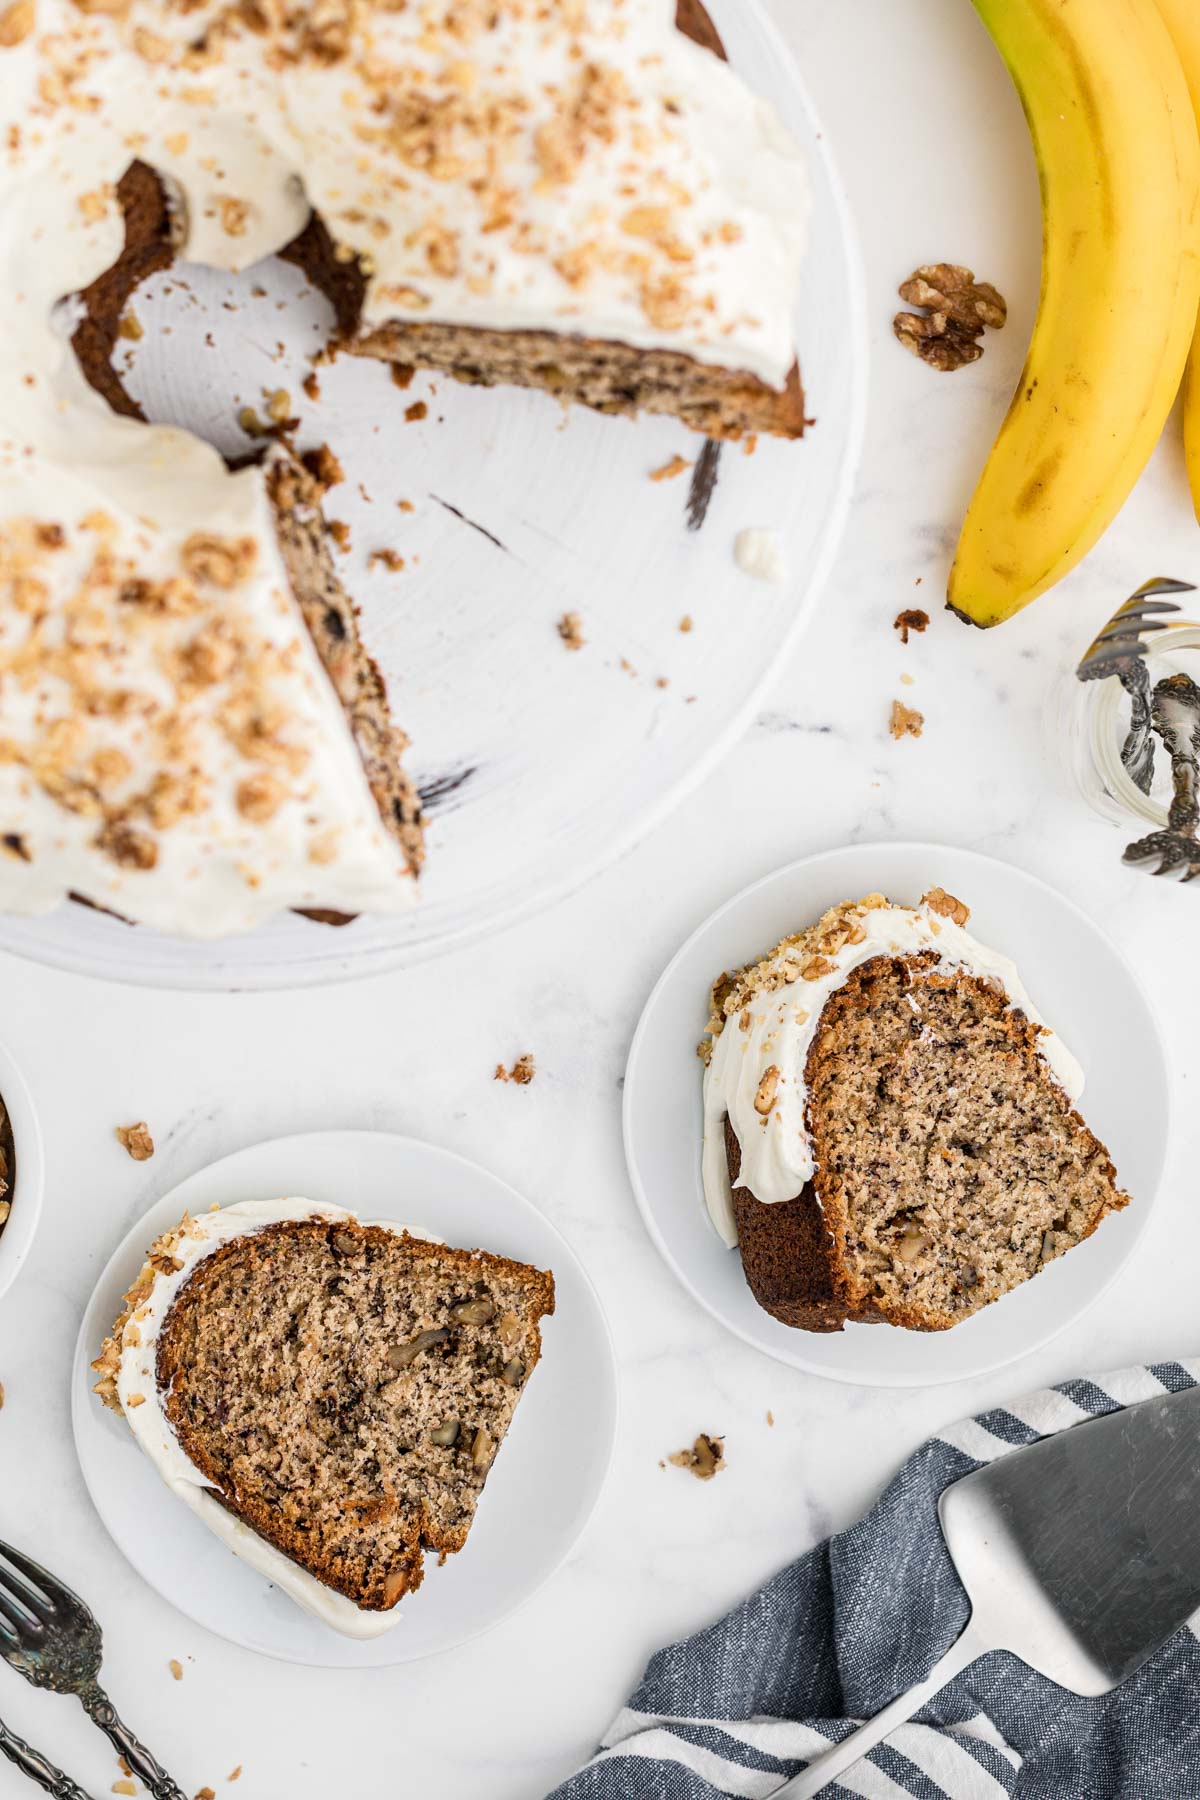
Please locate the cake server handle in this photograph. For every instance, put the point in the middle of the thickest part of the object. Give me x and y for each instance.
(102, 1712)
(832, 1763)
(39, 1768)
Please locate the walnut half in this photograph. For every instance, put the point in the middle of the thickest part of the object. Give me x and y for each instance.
(957, 308)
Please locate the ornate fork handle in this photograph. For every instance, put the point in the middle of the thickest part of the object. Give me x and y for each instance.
(103, 1713)
(38, 1767)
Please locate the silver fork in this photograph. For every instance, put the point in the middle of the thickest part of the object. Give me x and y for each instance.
(1118, 650)
(39, 1768)
(48, 1635)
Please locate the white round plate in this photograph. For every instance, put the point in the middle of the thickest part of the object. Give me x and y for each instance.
(539, 766)
(1079, 982)
(551, 1467)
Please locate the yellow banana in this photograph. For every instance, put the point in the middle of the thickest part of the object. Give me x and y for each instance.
(1183, 22)
(1119, 161)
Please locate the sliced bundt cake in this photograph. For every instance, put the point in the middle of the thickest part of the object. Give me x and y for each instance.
(340, 1389)
(890, 1130)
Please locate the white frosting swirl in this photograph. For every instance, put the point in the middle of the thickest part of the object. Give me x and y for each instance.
(148, 1421)
(780, 1023)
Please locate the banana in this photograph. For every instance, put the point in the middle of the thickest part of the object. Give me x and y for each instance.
(1118, 156)
(1182, 20)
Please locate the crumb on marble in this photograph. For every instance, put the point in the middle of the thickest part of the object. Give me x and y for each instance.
(176, 1668)
(669, 470)
(390, 559)
(770, 1417)
(911, 619)
(905, 721)
(685, 624)
(522, 1071)
(416, 412)
(570, 630)
(136, 1140)
(705, 1459)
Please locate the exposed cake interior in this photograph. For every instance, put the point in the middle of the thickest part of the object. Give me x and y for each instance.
(952, 1166)
(890, 1131)
(341, 1389)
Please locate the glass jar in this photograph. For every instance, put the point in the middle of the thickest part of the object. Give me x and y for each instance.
(1101, 722)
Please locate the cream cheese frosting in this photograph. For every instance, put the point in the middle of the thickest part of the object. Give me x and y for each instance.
(577, 167)
(771, 1017)
(141, 1404)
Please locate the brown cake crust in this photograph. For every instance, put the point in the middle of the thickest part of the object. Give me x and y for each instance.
(328, 1392)
(800, 1257)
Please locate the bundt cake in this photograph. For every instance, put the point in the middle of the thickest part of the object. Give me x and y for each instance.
(889, 1127)
(328, 1397)
(579, 197)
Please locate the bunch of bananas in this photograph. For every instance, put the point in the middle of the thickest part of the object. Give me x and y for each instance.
(1105, 87)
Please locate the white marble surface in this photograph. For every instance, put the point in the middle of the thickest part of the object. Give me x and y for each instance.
(934, 153)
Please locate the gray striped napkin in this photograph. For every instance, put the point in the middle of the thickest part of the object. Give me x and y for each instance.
(835, 1636)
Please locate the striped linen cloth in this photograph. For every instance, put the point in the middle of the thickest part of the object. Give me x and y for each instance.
(834, 1637)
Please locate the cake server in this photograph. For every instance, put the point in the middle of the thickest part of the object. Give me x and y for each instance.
(49, 1635)
(1079, 1554)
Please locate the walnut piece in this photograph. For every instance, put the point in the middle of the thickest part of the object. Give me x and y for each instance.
(957, 308)
(939, 901)
(911, 619)
(522, 1071)
(137, 1140)
(905, 721)
(768, 1087)
(705, 1459)
(570, 630)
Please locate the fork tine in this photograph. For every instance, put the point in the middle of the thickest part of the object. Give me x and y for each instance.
(36, 1593)
(1165, 584)
(59, 1596)
(21, 1625)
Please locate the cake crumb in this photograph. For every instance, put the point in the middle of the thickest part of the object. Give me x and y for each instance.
(1, 1396)
(130, 326)
(417, 411)
(406, 506)
(207, 1793)
(123, 1787)
(279, 406)
(324, 467)
(770, 1417)
(705, 1459)
(339, 531)
(522, 1071)
(137, 1140)
(311, 385)
(905, 721)
(906, 679)
(176, 1668)
(671, 469)
(570, 630)
(250, 422)
(402, 375)
(685, 624)
(911, 619)
(391, 559)
(234, 1775)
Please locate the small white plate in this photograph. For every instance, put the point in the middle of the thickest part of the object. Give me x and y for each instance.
(550, 1470)
(1077, 979)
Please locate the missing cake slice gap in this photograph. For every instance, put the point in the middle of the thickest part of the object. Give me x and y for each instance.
(890, 1128)
(328, 1396)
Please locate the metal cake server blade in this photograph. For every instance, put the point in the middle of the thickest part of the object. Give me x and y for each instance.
(1079, 1554)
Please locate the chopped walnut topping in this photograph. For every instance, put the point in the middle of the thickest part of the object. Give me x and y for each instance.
(279, 406)
(947, 335)
(137, 1140)
(16, 23)
(905, 721)
(95, 203)
(131, 848)
(939, 901)
(768, 1087)
(570, 630)
(816, 968)
(235, 215)
(222, 561)
(260, 797)
(522, 1071)
(911, 619)
(130, 326)
(705, 1459)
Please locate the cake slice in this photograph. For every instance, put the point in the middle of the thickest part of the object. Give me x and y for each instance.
(328, 1396)
(890, 1129)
